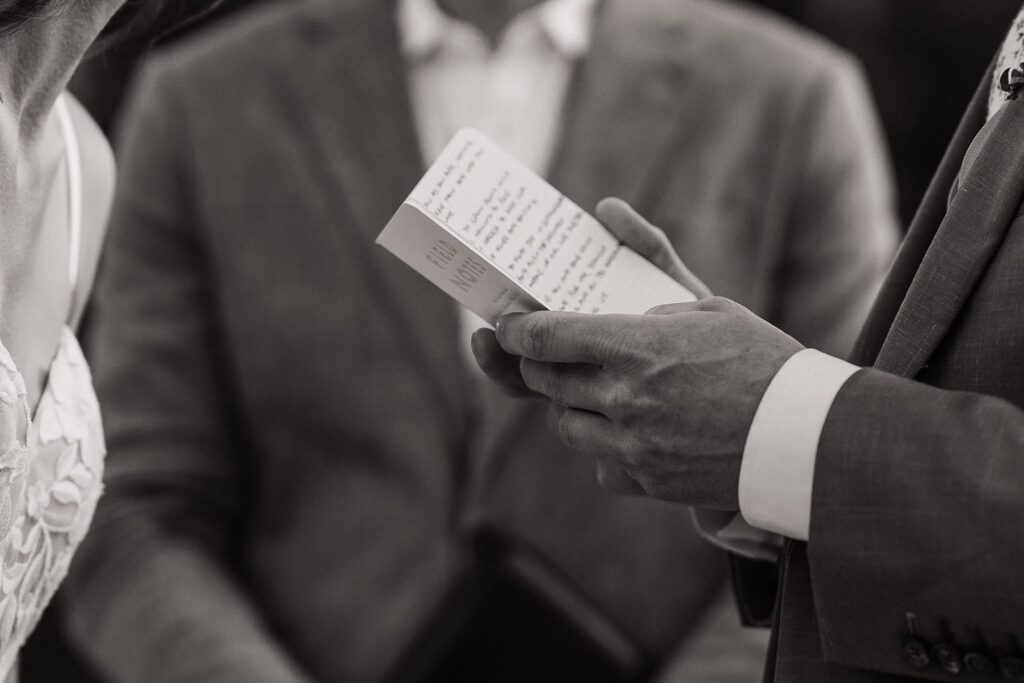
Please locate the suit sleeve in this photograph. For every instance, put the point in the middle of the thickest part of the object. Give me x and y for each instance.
(918, 508)
(153, 596)
(842, 229)
(840, 238)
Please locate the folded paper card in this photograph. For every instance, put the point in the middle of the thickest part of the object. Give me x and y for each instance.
(499, 239)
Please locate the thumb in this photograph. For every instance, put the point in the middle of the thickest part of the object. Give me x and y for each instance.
(652, 243)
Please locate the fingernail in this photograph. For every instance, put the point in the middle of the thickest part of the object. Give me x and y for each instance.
(474, 344)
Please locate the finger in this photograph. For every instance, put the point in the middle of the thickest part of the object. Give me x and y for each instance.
(566, 337)
(712, 304)
(573, 385)
(672, 309)
(583, 431)
(636, 232)
(649, 241)
(499, 366)
(594, 435)
(614, 477)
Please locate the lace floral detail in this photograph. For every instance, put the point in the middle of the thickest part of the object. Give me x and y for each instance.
(50, 473)
(13, 439)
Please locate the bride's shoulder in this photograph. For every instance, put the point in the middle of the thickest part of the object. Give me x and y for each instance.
(98, 179)
(98, 170)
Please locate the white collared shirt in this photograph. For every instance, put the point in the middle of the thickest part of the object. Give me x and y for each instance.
(514, 93)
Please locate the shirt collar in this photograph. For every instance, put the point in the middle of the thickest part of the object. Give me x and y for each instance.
(568, 24)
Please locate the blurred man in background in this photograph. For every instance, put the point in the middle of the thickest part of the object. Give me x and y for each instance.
(300, 444)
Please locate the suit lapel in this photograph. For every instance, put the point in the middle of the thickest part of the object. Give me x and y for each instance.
(922, 230)
(986, 200)
(627, 101)
(350, 106)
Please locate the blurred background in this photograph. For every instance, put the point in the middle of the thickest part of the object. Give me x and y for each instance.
(923, 59)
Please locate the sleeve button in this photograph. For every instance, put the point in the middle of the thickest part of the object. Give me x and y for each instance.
(948, 657)
(915, 652)
(980, 664)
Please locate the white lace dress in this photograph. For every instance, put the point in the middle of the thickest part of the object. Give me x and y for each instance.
(51, 466)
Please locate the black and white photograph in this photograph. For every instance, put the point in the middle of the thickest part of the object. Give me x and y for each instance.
(511, 341)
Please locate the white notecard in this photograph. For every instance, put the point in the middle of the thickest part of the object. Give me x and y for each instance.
(499, 239)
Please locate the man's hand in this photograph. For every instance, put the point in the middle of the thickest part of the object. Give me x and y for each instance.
(664, 401)
(635, 232)
(649, 241)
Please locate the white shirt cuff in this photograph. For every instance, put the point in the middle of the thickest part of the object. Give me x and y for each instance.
(777, 472)
(728, 531)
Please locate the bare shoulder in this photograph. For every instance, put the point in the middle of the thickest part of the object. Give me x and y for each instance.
(98, 180)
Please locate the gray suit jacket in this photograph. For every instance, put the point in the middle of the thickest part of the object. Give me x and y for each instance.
(294, 438)
(915, 564)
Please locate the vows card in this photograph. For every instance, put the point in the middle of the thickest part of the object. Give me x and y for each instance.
(499, 239)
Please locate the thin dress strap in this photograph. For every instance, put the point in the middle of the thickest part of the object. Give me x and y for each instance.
(74, 165)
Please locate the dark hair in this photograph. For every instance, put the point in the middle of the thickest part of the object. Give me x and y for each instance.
(134, 18)
(16, 13)
(147, 21)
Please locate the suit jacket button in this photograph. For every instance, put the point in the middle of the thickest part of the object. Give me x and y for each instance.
(980, 664)
(1012, 668)
(915, 651)
(949, 658)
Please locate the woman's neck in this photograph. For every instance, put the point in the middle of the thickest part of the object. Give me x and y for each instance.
(35, 65)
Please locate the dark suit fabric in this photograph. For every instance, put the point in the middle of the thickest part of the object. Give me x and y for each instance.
(917, 522)
(295, 441)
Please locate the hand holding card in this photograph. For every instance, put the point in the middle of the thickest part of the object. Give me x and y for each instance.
(499, 239)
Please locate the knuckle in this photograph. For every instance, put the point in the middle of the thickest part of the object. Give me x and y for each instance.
(608, 346)
(620, 342)
(634, 455)
(630, 459)
(620, 402)
(555, 384)
(643, 347)
(546, 379)
(537, 337)
(567, 430)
